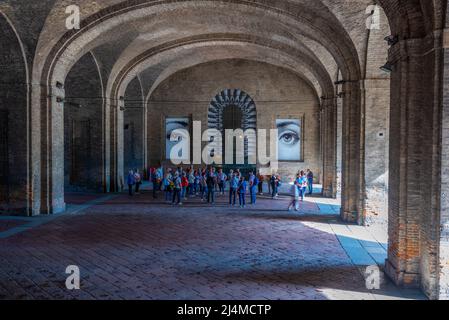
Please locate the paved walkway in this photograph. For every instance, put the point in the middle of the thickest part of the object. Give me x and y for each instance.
(144, 249)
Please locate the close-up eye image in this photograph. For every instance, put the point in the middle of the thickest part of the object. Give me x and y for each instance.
(224, 159)
(177, 130)
(289, 133)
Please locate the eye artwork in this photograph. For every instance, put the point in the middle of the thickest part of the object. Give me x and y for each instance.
(289, 139)
(172, 124)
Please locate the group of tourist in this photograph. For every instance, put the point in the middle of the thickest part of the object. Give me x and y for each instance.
(178, 184)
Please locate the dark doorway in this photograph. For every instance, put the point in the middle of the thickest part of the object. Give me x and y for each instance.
(232, 120)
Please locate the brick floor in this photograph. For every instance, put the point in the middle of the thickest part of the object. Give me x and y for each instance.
(137, 248)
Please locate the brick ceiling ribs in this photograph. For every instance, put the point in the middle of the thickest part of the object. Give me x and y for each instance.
(155, 39)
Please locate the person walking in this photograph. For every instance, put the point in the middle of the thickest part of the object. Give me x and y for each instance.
(131, 181)
(310, 181)
(295, 190)
(233, 187)
(241, 190)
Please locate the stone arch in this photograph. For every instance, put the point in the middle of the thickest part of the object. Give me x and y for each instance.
(15, 182)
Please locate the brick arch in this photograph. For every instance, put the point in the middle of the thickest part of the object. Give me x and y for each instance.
(73, 44)
(134, 126)
(316, 72)
(83, 133)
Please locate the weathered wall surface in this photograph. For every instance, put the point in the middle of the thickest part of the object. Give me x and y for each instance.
(83, 127)
(276, 92)
(13, 110)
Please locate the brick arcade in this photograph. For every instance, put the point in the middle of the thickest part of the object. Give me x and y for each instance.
(364, 83)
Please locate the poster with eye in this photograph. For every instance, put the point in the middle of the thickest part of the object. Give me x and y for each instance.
(181, 128)
(289, 139)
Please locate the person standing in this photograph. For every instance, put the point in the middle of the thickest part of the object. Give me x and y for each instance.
(302, 182)
(138, 179)
(131, 181)
(260, 185)
(253, 183)
(211, 181)
(233, 186)
(191, 182)
(274, 184)
(157, 178)
(168, 186)
(203, 186)
(241, 190)
(221, 182)
(177, 187)
(184, 186)
(310, 181)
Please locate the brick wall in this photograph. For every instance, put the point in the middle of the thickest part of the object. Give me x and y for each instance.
(277, 94)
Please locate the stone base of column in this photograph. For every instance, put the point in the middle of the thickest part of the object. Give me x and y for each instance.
(57, 208)
(401, 278)
(328, 193)
(349, 217)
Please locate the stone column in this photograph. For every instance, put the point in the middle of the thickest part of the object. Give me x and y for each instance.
(116, 146)
(52, 150)
(328, 128)
(352, 154)
(443, 277)
(415, 166)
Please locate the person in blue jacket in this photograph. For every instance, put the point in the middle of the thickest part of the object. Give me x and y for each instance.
(241, 190)
(131, 181)
(233, 186)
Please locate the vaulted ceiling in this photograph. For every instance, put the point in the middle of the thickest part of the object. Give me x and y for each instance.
(155, 39)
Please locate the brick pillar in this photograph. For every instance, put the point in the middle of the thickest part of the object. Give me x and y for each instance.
(414, 189)
(443, 277)
(328, 134)
(116, 146)
(351, 154)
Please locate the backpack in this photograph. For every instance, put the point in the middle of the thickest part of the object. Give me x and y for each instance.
(256, 181)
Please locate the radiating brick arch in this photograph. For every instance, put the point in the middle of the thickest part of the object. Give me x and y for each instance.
(232, 97)
(243, 101)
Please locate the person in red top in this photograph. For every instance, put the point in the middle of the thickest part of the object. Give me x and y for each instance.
(184, 184)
